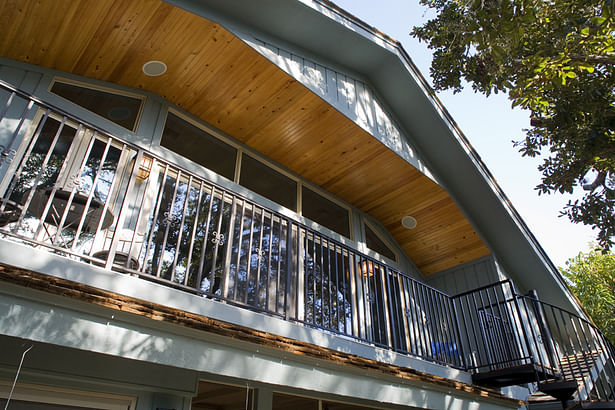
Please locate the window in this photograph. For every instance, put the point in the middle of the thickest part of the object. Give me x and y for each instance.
(373, 242)
(36, 397)
(198, 145)
(120, 109)
(325, 212)
(268, 182)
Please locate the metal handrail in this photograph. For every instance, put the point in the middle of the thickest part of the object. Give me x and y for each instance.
(75, 190)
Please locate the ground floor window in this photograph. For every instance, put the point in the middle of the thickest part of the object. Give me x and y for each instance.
(37, 397)
(287, 401)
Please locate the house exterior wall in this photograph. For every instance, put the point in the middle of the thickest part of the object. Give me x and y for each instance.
(466, 277)
(89, 348)
(37, 80)
(94, 347)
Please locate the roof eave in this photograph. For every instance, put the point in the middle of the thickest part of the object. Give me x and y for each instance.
(440, 142)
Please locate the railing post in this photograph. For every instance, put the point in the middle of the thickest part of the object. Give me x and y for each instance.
(289, 270)
(543, 327)
(457, 328)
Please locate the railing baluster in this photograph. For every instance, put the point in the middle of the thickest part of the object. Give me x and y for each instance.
(308, 277)
(155, 219)
(181, 229)
(269, 269)
(229, 250)
(218, 241)
(210, 205)
(195, 224)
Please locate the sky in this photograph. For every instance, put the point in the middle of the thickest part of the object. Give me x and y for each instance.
(490, 124)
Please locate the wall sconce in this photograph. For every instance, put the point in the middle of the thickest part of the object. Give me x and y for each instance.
(367, 268)
(145, 167)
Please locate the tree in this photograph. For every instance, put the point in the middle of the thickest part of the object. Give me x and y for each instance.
(556, 59)
(591, 277)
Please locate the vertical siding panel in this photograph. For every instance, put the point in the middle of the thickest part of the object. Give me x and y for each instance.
(314, 76)
(332, 91)
(363, 106)
(351, 94)
(381, 119)
(466, 277)
(342, 91)
(296, 67)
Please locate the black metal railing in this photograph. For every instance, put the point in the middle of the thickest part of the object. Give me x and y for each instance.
(512, 337)
(72, 189)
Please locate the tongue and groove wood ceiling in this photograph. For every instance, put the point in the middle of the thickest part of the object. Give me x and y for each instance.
(218, 78)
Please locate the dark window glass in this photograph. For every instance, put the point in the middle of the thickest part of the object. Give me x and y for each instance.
(199, 146)
(285, 401)
(120, 109)
(325, 212)
(30, 405)
(269, 183)
(374, 243)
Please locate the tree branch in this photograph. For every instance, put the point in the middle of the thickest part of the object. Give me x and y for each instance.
(592, 59)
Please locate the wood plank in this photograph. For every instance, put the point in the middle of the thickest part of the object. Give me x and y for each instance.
(217, 77)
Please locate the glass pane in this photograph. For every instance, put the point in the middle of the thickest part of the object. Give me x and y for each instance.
(325, 212)
(120, 109)
(199, 146)
(374, 243)
(35, 172)
(327, 294)
(269, 183)
(30, 405)
(285, 401)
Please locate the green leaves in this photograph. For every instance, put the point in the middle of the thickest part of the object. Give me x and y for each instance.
(591, 277)
(555, 59)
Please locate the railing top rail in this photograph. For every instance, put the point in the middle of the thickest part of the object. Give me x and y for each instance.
(491, 285)
(582, 319)
(185, 171)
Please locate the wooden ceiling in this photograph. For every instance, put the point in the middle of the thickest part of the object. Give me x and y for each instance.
(215, 76)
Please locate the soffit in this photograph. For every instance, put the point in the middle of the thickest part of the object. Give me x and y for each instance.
(215, 76)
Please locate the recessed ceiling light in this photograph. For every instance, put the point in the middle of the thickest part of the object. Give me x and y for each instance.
(154, 68)
(408, 222)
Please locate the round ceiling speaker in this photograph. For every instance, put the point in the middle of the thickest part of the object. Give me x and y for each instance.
(408, 222)
(154, 68)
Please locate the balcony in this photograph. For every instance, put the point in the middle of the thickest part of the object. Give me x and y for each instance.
(74, 190)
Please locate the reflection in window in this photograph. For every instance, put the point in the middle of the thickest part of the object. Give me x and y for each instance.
(199, 146)
(328, 298)
(35, 171)
(204, 238)
(286, 401)
(268, 182)
(325, 212)
(121, 109)
(373, 242)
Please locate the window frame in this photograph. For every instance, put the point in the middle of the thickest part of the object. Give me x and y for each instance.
(206, 129)
(61, 396)
(243, 149)
(96, 87)
(386, 241)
